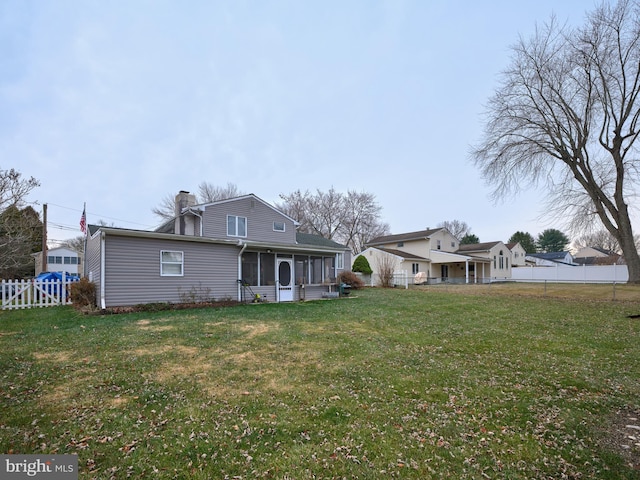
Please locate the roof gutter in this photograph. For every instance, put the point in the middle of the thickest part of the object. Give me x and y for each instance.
(199, 216)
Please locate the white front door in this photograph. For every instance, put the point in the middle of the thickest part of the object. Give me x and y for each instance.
(285, 280)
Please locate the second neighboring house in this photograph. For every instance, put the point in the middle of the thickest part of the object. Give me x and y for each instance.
(550, 259)
(230, 249)
(437, 256)
(59, 260)
(597, 256)
(518, 254)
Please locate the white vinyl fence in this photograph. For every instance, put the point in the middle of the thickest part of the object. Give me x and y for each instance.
(400, 279)
(573, 274)
(35, 293)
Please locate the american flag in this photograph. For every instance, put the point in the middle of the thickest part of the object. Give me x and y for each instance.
(83, 222)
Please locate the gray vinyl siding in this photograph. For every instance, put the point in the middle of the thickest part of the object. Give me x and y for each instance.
(92, 263)
(133, 271)
(260, 218)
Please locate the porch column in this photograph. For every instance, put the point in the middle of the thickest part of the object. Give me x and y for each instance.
(466, 271)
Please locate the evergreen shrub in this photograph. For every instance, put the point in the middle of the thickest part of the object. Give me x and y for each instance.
(361, 264)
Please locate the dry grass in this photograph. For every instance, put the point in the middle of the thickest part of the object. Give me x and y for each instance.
(465, 382)
(586, 291)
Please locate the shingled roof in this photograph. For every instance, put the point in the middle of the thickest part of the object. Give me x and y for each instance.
(477, 247)
(402, 237)
(316, 241)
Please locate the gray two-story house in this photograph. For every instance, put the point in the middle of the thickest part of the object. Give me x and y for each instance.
(219, 250)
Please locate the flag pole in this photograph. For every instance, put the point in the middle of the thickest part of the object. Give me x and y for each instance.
(45, 252)
(83, 228)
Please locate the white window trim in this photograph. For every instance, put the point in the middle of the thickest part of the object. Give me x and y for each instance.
(236, 225)
(339, 261)
(163, 263)
(284, 227)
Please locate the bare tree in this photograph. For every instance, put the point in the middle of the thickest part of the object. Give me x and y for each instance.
(566, 116)
(14, 188)
(76, 243)
(352, 218)
(385, 268)
(207, 193)
(166, 209)
(296, 205)
(457, 228)
(319, 213)
(361, 220)
(601, 239)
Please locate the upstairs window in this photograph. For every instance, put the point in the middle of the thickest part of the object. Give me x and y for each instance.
(278, 226)
(236, 226)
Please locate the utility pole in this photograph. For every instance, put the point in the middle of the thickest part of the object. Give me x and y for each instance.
(44, 237)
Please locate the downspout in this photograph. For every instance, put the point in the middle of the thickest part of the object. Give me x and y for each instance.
(102, 268)
(244, 247)
(200, 217)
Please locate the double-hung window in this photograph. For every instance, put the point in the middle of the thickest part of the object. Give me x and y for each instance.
(171, 263)
(236, 226)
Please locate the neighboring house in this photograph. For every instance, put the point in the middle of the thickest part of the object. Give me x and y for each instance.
(230, 249)
(59, 260)
(550, 259)
(497, 256)
(398, 261)
(518, 254)
(597, 256)
(439, 255)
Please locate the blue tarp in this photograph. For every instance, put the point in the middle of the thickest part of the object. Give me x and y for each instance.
(54, 277)
(57, 276)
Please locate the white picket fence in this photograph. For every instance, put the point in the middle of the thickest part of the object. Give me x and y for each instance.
(35, 293)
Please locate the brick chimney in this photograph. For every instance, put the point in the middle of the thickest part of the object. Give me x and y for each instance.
(184, 199)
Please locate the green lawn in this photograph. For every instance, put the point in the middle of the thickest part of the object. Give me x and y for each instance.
(420, 383)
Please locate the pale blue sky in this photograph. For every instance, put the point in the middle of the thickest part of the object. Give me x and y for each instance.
(119, 103)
